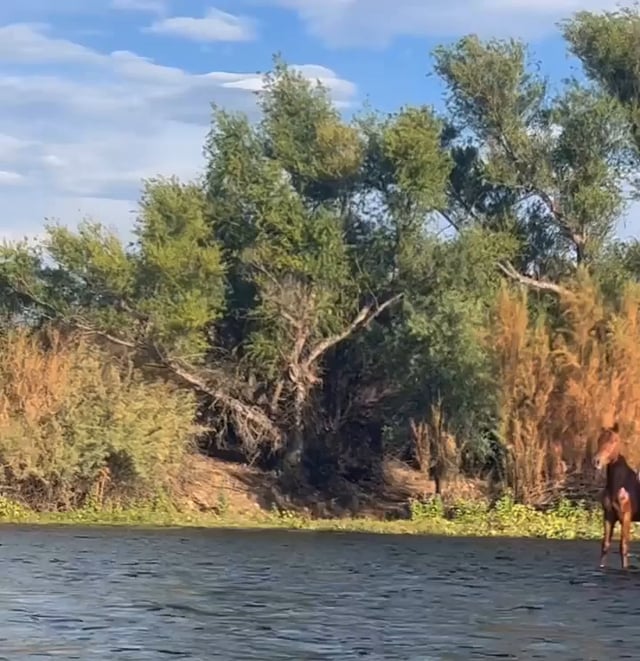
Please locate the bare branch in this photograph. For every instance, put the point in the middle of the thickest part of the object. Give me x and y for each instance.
(363, 318)
(449, 219)
(252, 424)
(52, 313)
(251, 420)
(277, 394)
(105, 336)
(532, 283)
(262, 426)
(25, 291)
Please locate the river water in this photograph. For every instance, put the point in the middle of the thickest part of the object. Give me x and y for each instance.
(113, 593)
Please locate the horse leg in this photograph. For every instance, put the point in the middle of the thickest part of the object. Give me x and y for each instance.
(625, 537)
(609, 525)
(625, 523)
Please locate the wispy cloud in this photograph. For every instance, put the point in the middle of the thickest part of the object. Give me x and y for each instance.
(8, 178)
(81, 128)
(375, 23)
(30, 42)
(215, 25)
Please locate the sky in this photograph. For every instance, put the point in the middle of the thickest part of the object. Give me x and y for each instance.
(97, 95)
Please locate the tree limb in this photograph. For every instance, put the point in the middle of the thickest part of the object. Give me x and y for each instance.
(449, 219)
(261, 423)
(363, 318)
(105, 336)
(540, 285)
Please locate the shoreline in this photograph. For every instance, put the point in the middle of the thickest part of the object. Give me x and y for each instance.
(504, 519)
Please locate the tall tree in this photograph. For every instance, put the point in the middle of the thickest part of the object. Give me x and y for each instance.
(607, 45)
(556, 157)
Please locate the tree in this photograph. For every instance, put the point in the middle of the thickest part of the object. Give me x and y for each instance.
(558, 159)
(310, 263)
(302, 286)
(159, 299)
(607, 45)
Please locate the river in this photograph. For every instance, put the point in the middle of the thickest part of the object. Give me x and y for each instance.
(115, 593)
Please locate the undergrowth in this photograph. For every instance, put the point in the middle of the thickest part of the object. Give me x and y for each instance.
(506, 518)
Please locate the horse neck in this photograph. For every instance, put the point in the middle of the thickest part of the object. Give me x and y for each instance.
(617, 464)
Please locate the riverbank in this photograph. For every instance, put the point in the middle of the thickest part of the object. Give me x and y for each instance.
(210, 493)
(505, 518)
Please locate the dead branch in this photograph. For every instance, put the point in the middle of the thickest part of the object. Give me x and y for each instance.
(253, 424)
(260, 425)
(277, 394)
(540, 285)
(105, 336)
(366, 315)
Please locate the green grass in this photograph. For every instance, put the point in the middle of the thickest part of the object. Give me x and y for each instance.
(506, 518)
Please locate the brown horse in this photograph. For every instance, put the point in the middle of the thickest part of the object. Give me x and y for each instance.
(621, 495)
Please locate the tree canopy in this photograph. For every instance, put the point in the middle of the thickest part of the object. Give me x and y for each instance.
(304, 287)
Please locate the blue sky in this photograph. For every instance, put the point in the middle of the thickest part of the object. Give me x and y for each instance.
(97, 94)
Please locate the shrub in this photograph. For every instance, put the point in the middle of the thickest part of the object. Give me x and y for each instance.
(76, 424)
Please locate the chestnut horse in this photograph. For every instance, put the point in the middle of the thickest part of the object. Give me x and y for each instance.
(621, 495)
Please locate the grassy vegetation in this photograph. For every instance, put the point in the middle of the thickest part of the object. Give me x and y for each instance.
(85, 441)
(505, 518)
(558, 382)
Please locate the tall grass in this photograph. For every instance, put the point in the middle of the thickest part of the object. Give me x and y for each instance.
(76, 425)
(559, 383)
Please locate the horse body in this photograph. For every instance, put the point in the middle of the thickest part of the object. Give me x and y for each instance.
(621, 495)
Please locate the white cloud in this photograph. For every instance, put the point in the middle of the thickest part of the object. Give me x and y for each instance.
(375, 23)
(215, 25)
(80, 128)
(29, 42)
(8, 178)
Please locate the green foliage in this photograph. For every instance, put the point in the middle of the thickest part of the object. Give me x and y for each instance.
(465, 518)
(618, 264)
(452, 287)
(168, 288)
(607, 45)
(565, 520)
(562, 159)
(180, 279)
(412, 163)
(427, 509)
(588, 164)
(492, 93)
(304, 134)
(271, 188)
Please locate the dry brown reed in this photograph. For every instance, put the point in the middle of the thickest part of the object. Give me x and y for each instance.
(559, 383)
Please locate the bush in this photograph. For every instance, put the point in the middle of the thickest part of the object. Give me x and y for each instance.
(75, 424)
(506, 517)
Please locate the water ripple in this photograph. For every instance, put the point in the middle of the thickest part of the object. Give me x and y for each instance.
(119, 594)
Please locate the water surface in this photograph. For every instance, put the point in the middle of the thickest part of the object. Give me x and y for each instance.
(114, 593)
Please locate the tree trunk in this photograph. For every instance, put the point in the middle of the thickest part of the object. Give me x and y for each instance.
(295, 443)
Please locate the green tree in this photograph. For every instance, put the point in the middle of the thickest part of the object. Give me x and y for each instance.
(559, 159)
(607, 45)
(313, 243)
